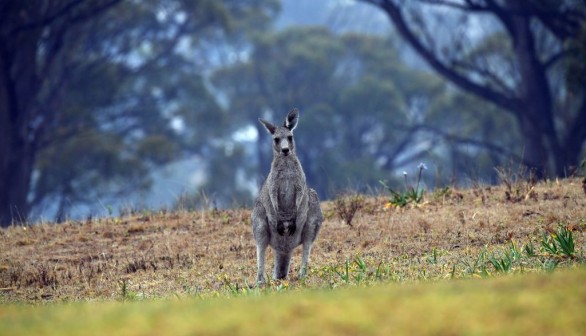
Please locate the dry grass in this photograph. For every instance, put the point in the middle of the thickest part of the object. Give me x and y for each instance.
(212, 253)
(538, 304)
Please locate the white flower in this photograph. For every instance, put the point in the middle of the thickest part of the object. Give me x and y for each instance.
(422, 166)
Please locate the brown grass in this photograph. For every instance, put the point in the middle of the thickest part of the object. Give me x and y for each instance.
(207, 253)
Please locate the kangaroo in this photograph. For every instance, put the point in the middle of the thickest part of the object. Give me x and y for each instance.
(286, 213)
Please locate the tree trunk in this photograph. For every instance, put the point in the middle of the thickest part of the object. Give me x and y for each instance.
(534, 151)
(536, 117)
(530, 101)
(19, 84)
(15, 178)
(573, 144)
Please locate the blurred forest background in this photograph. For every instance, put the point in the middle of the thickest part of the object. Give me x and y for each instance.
(111, 105)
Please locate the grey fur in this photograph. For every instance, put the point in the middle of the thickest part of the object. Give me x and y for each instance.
(287, 212)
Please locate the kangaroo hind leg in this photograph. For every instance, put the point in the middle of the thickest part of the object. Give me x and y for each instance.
(305, 258)
(310, 231)
(260, 230)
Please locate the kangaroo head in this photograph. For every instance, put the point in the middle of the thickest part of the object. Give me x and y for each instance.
(283, 143)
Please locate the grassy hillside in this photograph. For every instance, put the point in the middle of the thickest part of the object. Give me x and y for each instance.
(472, 233)
(486, 260)
(543, 304)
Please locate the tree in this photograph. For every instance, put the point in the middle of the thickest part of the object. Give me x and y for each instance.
(511, 54)
(90, 91)
(576, 67)
(22, 40)
(360, 115)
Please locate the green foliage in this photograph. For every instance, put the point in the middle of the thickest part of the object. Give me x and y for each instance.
(548, 244)
(474, 62)
(575, 67)
(442, 193)
(549, 265)
(354, 118)
(560, 243)
(131, 88)
(126, 294)
(557, 247)
(397, 200)
(477, 266)
(361, 271)
(412, 194)
(357, 272)
(432, 259)
(529, 250)
(345, 273)
(121, 89)
(502, 264)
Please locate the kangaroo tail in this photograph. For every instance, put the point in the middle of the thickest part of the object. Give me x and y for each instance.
(282, 261)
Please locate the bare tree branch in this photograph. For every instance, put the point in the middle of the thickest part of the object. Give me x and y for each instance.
(483, 72)
(578, 130)
(67, 10)
(454, 138)
(556, 58)
(509, 104)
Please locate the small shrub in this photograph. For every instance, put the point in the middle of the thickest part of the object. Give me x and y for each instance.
(549, 265)
(412, 194)
(560, 243)
(502, 264)
(361, 271)
(548, 245)
(442, 194)
(345, 274)
(432, 259)
(519, 184)
(46, 277)
(347, 206)
(530, 250)
(477, 266)
(125, 293)
(565, 240)
(506, 261)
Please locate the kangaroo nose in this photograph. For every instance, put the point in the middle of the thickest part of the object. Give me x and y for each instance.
(285, 151)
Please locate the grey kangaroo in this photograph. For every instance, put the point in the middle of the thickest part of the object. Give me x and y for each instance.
(287, 212)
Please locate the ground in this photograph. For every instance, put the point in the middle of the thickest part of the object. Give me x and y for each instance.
(452, 233)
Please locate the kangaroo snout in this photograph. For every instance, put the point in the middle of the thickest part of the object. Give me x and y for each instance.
(285, 146)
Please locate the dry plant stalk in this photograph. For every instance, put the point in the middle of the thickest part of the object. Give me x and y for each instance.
(520, 184)
(347, 206)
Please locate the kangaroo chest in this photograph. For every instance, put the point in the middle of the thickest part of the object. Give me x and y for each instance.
(287, 183)
(286, 191)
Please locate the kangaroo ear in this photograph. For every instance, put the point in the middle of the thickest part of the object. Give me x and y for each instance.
(292, 118)
(270, 127)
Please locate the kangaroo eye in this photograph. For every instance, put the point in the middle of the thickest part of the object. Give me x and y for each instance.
(277, 140)
(290, 138)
